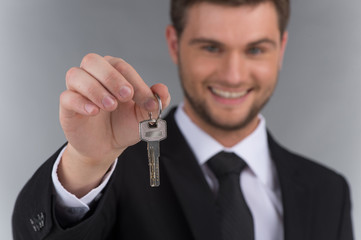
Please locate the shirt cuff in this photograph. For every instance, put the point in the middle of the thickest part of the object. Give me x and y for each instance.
(73, 206)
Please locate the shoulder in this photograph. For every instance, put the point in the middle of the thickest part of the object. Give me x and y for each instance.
(305, 169)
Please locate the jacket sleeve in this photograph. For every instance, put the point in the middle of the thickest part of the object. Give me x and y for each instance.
(34, 212)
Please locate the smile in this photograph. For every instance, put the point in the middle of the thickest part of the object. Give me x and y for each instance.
(227, 94)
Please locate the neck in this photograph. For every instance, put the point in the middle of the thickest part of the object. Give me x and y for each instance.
(228, 138)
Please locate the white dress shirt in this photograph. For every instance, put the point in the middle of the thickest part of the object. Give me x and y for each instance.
(258, 181)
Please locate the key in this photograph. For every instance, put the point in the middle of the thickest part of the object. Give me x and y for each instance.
(152, 131)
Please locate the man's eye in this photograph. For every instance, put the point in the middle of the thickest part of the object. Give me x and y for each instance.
(255, 51)
(211, 49)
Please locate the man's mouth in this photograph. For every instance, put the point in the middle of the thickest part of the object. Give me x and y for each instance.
(228, 94)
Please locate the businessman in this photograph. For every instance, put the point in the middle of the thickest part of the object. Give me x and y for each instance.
(223, 176)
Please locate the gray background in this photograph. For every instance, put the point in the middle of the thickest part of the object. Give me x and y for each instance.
(315, 110)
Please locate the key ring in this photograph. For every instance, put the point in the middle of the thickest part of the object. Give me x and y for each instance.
(159, 107)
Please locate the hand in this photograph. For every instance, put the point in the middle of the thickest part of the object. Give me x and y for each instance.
(99, 112)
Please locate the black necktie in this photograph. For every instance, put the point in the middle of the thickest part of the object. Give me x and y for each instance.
(235, 216)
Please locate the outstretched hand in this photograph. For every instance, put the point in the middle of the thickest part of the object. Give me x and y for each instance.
(100, 111)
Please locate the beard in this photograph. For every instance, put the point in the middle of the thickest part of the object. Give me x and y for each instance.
(201, 109)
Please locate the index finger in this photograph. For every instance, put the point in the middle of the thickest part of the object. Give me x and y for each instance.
(143, 95)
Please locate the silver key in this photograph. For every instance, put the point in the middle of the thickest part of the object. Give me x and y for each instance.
(152, 131)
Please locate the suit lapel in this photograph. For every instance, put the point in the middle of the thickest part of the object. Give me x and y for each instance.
(295, 194)
(190, 186)
(198, 202)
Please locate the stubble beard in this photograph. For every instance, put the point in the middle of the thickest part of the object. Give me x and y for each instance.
(200, 108)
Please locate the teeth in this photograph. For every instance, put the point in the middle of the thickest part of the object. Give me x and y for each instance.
(226, 94)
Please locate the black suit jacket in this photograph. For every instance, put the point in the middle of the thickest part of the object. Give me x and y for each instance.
(316, 200)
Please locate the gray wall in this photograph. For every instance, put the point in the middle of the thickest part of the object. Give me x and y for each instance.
(314, 110)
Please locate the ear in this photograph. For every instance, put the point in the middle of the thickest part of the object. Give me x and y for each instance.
(284, 41)
(172, 41)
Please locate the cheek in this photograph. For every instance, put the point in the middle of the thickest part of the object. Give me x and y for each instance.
(196, 69)
(266, 74)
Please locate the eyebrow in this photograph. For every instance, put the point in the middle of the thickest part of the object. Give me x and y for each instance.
(263, 40)
(202, 40)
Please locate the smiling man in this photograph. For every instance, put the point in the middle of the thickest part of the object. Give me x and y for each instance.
(229, 59)
(223, 175)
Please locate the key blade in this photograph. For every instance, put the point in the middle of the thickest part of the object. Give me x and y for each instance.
(153, 161)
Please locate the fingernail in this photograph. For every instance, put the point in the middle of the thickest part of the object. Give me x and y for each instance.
(89, 108)
(150, 104)
(125, 92)
(108, 102)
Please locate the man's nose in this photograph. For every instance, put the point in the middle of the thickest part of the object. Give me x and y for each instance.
(234, 69)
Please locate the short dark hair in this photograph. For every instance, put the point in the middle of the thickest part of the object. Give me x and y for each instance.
(178, 10)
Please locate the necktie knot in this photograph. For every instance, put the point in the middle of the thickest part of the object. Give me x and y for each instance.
(225, 163)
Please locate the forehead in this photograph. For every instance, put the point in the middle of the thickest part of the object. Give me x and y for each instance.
(214, 20)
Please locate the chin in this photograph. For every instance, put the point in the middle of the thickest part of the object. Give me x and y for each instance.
(232, 120)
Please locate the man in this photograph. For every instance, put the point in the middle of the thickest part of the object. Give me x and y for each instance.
(229, 54)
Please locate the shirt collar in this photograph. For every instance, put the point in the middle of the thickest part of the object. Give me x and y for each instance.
(253, 149)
